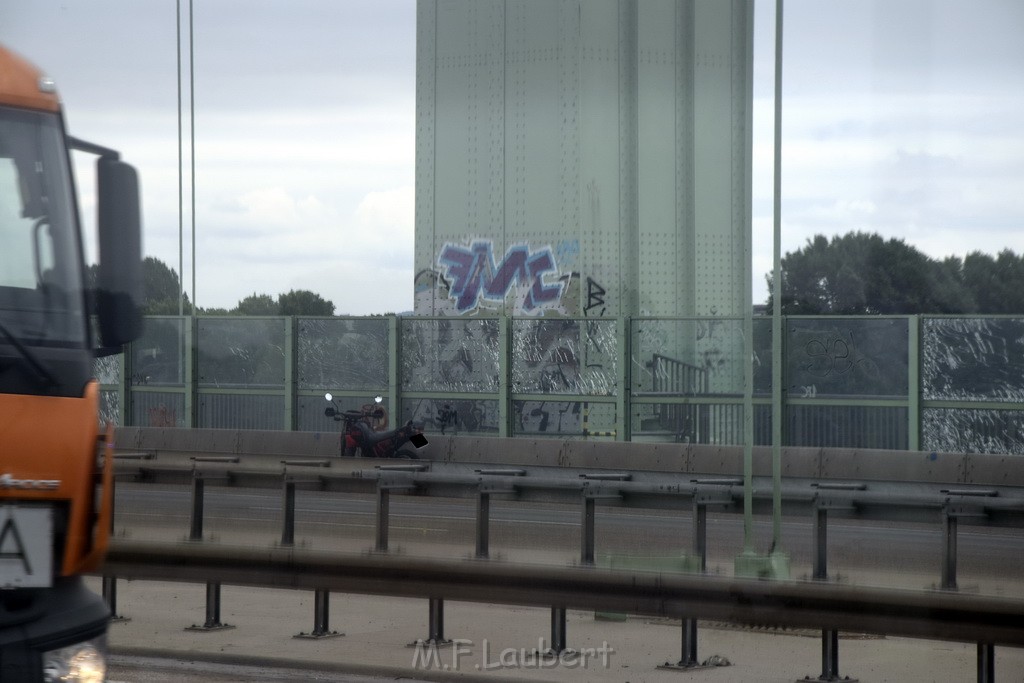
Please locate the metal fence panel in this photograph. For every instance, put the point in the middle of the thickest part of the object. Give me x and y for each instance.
(688, 357)
(564, 419)
(850, 382)
(240, 411)
(241, 352)
(110, 407)
(847, 357)
(450, 354)
(454, 416)
(343, 353)
(158, 356)
(565, 356)
(158, 409)
(843, 426)
(968, 430)
(973, 359)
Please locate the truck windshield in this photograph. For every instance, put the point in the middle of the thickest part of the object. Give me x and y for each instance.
(41, 300)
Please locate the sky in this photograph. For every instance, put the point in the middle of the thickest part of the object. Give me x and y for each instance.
(902, 117)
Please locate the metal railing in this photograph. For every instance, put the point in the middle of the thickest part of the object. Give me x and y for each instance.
(942, 489)
(953, 384)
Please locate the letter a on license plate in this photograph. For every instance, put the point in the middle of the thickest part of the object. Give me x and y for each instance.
(26, 542)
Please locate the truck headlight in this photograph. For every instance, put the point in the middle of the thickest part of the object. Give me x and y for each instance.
(84, 662)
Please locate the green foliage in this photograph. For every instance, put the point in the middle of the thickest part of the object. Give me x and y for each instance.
(256, 304)
(862, 273)
(161, 288)
(996, 283)
(304, 302)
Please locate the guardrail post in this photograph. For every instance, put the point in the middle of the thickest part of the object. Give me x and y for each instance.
(213, 622)
(820, 528)
(435, 625)
(829, 636)
(587, 532)
(688, 658)
(110, 597)
(986, 663)
(321, 617)
(383, 506)
(288, 514)
(949, 527)
(196, 530)
(688, 655)
(559, 635)
(109, 585)
(483, 513)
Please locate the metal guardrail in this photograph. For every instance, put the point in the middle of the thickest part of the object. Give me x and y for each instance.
(937, 488)
(933, 615)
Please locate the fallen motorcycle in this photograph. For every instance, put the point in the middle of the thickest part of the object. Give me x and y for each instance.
(358, 436)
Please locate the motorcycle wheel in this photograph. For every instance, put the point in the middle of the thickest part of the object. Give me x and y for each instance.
(407, 453)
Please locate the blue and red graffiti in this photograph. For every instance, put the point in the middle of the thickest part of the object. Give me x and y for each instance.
(475, 276)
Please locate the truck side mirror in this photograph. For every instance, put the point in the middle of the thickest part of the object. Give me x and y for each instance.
(119, 288)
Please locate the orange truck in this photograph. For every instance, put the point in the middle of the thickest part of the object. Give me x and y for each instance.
(56, 495)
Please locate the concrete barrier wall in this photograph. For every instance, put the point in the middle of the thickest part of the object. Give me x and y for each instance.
(727, 461)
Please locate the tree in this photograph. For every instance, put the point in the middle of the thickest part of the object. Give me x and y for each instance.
(861, 273)
(304, 302)
(997, 284)
(161, 287)
(257, 304)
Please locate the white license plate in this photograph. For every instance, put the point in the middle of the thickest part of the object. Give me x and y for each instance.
(26, 546)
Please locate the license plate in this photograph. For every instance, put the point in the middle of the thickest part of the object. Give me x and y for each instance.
(26, 546)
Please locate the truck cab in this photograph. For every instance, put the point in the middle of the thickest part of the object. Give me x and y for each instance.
(55, 459)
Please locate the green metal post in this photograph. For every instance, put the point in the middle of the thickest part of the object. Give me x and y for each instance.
(623, 424)
(748, 426)
(190, 333)
(290, 373)
(777, 381)
(124, 389)
(394, 363)
(505, 376)
(914, 383)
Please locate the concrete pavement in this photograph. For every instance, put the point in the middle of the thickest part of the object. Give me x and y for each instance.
(497, 642)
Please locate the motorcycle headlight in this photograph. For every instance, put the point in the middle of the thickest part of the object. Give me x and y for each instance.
(84, 662)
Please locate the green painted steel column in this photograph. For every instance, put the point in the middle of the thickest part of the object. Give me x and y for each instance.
(124, 389)
(748, 430)
(504, 376)
(191, 385)
(290, 373)
(623, 409)
(394, 363)
(777, 381)
(914, 388)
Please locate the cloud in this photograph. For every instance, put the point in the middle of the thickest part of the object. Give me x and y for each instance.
(902, 118)
(387, 217)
